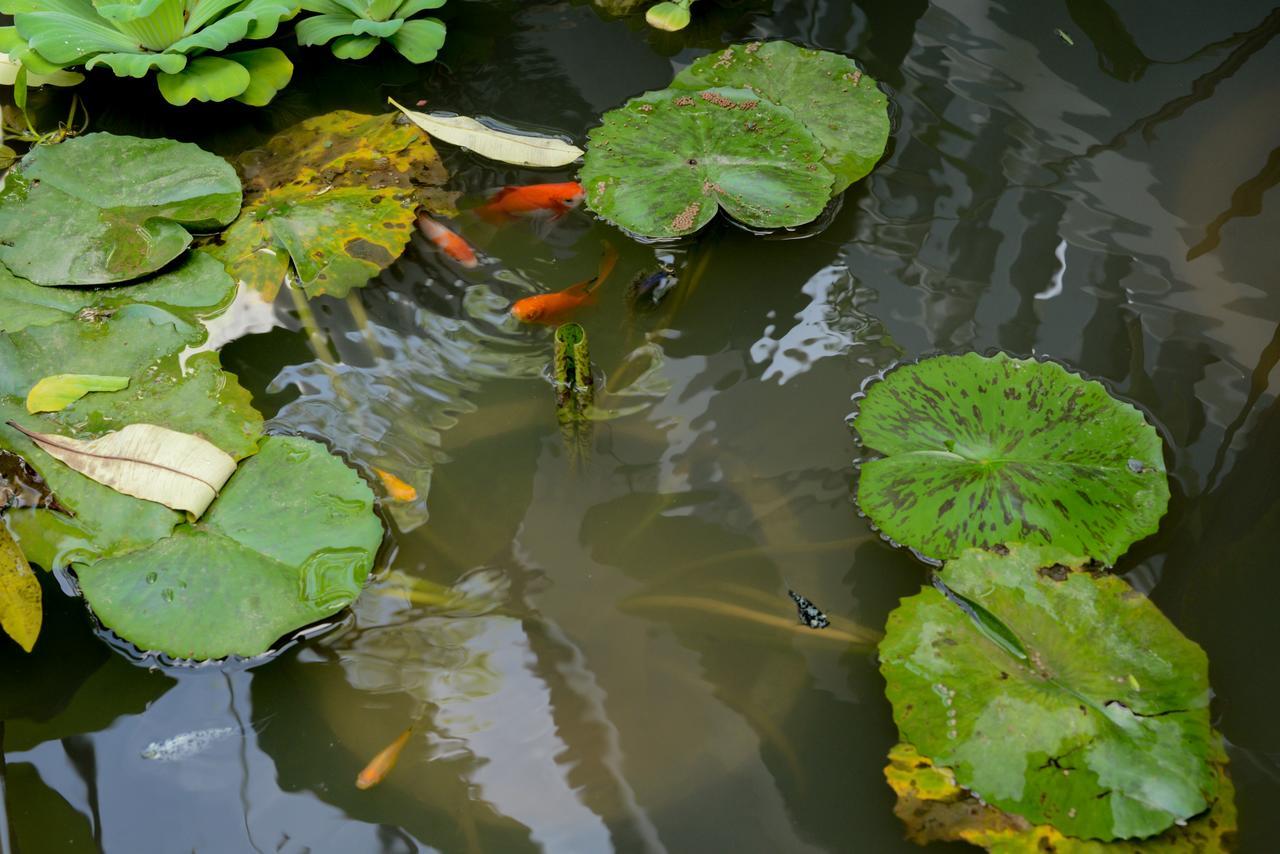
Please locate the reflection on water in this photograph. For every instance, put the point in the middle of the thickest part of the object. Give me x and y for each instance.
(595, 637)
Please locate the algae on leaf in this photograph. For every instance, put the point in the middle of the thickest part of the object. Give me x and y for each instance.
(663, 163)
(245, 576)
(983, 451)
(333, 198)
(839, 104)
(1101, 730)
(128, 215)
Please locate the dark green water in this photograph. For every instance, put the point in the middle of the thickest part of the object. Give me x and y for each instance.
(1110, 203)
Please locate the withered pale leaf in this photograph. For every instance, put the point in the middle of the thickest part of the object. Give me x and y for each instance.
(21, 606)
(516, 148)
(56, 392)
(175, 469)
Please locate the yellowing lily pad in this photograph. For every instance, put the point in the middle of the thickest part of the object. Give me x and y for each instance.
(334, 198)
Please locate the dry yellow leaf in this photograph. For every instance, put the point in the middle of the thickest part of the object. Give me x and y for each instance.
(21, 607)
(175, 469)
(55, 393)
(515, 148)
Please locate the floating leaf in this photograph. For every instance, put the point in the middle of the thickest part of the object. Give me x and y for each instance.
(671, 17)
(246, 575)
(663, 164)
(935, 809)
(58, 391)
(982, 451)
(21, 607)
(1102, 731)
(129, 215)
(519, 149)
(178, 470)
(197, 288)
(335, 198)
(840, 105)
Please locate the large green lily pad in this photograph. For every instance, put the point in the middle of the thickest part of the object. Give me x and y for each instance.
(839, 104)
(983, 451)
(246, 575)
(662, 164)
(198, 287)
(1061, 697)
(333, 197)
(102, 208)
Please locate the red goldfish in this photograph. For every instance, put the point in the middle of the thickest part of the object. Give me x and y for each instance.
(557, 199)
(555, 307)
(380, 766)
(448, 242)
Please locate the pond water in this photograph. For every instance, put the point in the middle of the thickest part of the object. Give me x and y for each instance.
(617, 671)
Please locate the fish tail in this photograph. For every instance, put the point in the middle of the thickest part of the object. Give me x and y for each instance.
(607, 262)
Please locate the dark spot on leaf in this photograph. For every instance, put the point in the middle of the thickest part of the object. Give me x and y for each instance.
(365, 250)
(1057, 572)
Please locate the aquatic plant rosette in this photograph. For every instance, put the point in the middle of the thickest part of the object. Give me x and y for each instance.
(356, 27)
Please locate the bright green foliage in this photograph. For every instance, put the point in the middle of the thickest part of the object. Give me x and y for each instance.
(663, 163)
(839, 104)
(1094, 719)
(127, 214)
(669, 16)
(984, 451)
(356, 26)
(289, 542)
(182, 40)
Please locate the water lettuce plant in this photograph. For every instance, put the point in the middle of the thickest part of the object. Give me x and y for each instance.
(183, 41)
(1055, 694)
(979, 451)
(357, 26)
(128, 216)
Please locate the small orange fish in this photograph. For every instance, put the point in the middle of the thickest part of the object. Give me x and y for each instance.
(553, 308)
(380, 766)
(396, 488)
(558, 199)
(448, 241)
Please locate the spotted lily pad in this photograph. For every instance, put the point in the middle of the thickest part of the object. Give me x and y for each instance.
(333, 198)
(1057, 696)
(842, 106)
(982, 451)
(935, 809)
(125, 214)
(662, 164)
(240, 579)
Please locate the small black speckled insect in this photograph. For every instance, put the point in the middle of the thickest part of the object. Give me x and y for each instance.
(809, 613)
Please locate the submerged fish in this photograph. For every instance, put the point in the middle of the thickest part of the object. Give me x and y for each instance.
(380, 766)
(555, 199)
(186, 745)
(556, 307)
(448, 241)
(397, 489)
(809, 613)
(647, 289)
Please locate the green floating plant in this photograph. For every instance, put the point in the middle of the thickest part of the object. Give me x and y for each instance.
(181, 40)
(669, 16)
(356, 26)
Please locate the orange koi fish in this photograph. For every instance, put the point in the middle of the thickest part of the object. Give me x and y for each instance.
(397, 489)
(558, 199)
(448, 241)
(380, 766)
(555, 307)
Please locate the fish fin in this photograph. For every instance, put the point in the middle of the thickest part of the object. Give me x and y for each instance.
(607, 262)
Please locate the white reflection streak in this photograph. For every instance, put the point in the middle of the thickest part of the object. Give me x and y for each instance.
(1055, 287)
(811, 338)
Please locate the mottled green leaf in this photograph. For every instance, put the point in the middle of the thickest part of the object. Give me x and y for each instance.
(839, 104)
(124, 215)
(1102, 731)
(983, 451)
(242, 578)
(335, 197)
(935, 809)
(663, 164)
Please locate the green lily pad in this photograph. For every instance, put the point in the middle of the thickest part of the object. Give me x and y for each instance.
(839, 104)
(242, 578)
(127, 215)
(982, 451)
(1085, 709)
(662, 164)
(197, 288)
(333, 197)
